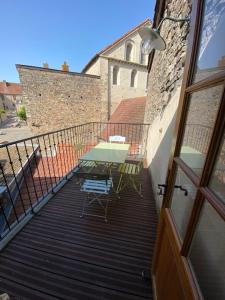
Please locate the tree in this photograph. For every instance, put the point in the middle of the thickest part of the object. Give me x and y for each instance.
(21, 113)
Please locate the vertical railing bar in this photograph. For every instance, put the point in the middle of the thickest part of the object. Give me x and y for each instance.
(14, 176)
(50, 177)
(35, 159)
(4, 215)
(75, 145)
(52, 162)
(60, 153)
(25, 178)
(31, 172)
(72, 148)
(56, 157)
(84, 135)
(79, 142)
(66, 160)
(82, 139)
(9, 193)
(2, 207)
(92, 136)
(67, 153)
(42, 163)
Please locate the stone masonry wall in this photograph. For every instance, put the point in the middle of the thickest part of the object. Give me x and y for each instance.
(123, 90)
(163, 92)
(167, 68)
(56, 99)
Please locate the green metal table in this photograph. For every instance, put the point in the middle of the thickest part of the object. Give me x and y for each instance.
(109, 153)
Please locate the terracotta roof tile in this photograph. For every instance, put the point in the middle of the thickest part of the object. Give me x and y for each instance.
(10, 88)
(130, 111)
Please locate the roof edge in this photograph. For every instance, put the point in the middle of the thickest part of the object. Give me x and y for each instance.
(18, 66)
(93, 59)
(125, 62)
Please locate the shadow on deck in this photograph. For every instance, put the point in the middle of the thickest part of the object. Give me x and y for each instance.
(58, 255)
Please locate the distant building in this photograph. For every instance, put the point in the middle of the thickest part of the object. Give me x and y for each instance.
(116, 73)
(122, 66)
(10, 95)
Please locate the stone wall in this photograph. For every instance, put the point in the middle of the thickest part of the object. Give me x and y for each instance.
(164, 82)
(55, 99)
(123, 90)
(167, 68)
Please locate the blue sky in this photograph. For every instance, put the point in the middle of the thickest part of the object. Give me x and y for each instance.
(37, 31)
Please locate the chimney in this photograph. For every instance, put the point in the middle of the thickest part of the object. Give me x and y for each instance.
(45, 65)
(5, 83)
(65, 67)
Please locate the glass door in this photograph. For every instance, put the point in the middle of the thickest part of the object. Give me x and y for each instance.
(189, 261)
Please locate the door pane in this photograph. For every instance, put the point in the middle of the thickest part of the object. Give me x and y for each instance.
(182, 201)
(201, 116)
(217, 182)
(211, 53)
(207, 254)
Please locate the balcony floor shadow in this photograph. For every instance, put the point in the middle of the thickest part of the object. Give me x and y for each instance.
(59, 255)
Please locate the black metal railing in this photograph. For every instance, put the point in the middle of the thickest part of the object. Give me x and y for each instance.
(32, 169)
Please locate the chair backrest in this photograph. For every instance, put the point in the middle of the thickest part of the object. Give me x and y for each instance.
(117, 139)
(87, 170)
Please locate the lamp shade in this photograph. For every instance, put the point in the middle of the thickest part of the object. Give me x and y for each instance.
(151, 40)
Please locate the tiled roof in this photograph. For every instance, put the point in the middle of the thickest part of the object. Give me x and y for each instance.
(147, 21)
(10, 88)
(130, 111)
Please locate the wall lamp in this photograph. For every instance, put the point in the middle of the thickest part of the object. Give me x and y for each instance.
(152, 38)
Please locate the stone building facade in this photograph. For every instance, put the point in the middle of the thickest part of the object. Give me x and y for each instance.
(163, 92)
(57, 99)
(10, 95)
(123, 67)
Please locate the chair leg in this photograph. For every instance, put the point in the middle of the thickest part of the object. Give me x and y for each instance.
(118, 189)
(134, 184)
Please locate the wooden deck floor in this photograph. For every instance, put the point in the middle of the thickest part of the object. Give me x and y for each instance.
(58, 255)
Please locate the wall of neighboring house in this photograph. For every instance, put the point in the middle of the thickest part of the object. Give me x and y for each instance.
(10, 102)
(163, 92)
(94, 68)
(118, 51)
(123, 90)
(56, 99)
(103, 66)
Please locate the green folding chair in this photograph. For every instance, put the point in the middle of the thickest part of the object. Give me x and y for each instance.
(130, 175)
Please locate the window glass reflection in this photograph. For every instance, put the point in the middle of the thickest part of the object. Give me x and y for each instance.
(217, 182)
(182, 202)
(211, 53)
(206, 255)
(202, 112)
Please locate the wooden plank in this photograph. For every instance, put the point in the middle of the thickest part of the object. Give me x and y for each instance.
(60, 256)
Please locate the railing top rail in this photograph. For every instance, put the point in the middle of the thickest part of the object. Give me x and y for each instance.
(125, 123)
(61, 130)
(40, 135)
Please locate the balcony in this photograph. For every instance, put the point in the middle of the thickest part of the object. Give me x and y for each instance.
(58, 255)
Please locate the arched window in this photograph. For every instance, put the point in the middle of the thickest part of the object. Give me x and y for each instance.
(133, 78)
(142, 56)
(115, 75)
(129, 52)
